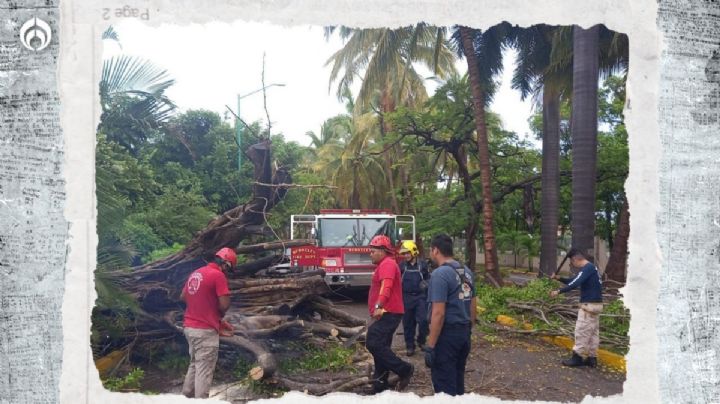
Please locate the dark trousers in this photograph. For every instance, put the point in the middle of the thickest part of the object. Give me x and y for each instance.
(379, 343)
(451, 353)
(415, 316)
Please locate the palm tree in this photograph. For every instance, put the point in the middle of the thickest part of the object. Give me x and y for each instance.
(133, 103)
(349, 161)
(595, 51)
(483, 53)
(132, 96)
(586, 58)
(534, 73)
(385, 59)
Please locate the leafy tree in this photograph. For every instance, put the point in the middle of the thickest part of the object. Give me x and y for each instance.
(386, 58)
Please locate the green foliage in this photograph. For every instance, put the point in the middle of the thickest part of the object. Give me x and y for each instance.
(164, 252)
(335, 358)
(130, 382)
(615, 318)
(141, 236)
(495, 300)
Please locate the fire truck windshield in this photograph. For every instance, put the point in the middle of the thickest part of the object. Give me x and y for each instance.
(351, 232)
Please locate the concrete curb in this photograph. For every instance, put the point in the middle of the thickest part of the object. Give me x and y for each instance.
(605, 357)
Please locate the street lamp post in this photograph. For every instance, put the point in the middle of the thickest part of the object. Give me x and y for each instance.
(239, 124)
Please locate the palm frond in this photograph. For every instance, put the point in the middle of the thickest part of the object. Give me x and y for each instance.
(123, 74)
(111, 34)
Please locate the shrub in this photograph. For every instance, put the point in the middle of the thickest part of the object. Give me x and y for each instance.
(131, 381)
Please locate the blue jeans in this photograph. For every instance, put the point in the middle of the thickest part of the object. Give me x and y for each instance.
(415, 317)
(451, 353)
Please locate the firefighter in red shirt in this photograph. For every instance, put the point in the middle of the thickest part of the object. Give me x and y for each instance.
(207, 297)
(385, 304)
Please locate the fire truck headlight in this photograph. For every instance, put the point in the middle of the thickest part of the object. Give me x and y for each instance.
(329, 263)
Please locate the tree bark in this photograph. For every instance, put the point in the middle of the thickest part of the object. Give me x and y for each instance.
(550, 183)
(584, 122)
(492, 269)
(616, 268)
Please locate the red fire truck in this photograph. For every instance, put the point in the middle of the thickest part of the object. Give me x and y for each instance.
(342, 237)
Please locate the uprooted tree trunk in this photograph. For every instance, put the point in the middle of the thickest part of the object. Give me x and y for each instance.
(261, 307)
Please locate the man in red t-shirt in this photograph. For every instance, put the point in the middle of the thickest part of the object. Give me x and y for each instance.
(207, 297)
(385, 304)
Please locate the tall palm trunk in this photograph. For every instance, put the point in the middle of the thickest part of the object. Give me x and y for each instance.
(586, 57)
(388, 106)
(616, 268)
(550, 202)
(491, 259)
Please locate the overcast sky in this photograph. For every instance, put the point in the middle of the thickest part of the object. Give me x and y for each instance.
(214, 62)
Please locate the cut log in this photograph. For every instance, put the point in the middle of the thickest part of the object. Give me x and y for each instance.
(265, 360)
(331, 313)
(319, 389)
(359, 336)
(333, 330)
(256, 373)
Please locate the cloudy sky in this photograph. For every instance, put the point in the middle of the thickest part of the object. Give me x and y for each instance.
(213, 63)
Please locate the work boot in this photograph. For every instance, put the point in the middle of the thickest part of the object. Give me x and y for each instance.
(380, 383)
(405, 380)
(591, 361)
(379, 387)
(410, 352)
(575, 361)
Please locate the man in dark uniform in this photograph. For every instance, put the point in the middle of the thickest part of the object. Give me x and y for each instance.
(415, 275)
(452, 300)
(587, 327)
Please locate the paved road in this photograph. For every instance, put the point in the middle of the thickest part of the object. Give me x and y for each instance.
(507, 366)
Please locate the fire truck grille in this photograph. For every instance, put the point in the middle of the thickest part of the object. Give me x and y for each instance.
(357, 259)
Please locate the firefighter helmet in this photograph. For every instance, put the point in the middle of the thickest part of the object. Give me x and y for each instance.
(227, 254)
(382, 241)
(409, 246)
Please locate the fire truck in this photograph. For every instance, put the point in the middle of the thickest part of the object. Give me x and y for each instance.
(342, 238)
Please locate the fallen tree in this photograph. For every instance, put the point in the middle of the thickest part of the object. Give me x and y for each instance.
(262, 308)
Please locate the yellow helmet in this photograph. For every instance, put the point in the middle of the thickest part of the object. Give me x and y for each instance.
(409, 246)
